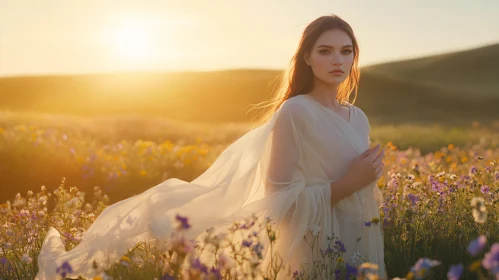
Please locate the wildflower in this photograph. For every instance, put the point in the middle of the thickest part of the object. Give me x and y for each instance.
(491, 259)
(413, 198)
(258, 250)
(315, 229)
(64, 269)
(350, 271)
(375, 220)
(473, 170)
(475, 265)
(184, 222)
(455, 272)
(26, 258)
(485, 189)
(367, 224)
(340, 245)
(337, 274)
(366, 267)
(477, 245)
(247, 243)
(440, 174)
(167, 277)
(422, 267)
(479, 211)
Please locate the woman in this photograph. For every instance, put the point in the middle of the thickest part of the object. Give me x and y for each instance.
(307, 166)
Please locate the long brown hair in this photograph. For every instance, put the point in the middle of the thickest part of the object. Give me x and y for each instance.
(299, 78)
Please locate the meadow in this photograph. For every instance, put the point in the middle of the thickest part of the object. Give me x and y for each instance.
(440, 185)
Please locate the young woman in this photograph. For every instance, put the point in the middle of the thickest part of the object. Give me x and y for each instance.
(307, 166)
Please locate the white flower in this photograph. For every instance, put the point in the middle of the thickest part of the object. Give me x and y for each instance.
(355, 258)
(440, 174)
(315, 229)
(26, 259)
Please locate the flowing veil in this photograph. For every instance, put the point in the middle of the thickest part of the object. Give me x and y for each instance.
(268, 172)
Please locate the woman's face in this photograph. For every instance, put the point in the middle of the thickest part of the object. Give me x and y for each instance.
(333, 50)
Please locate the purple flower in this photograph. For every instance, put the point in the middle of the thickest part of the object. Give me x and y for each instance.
(64, 269)
(337, 274)
(477, 245)
(455, 272)
(3, 261)
(341, 246)
(485, 189)
(258, 249)
(247, 243)
(413, 198)
(491, 259)
(367, 224)
(351, 271)
(422, 267)
(473, 170)
(216, 273)
(167, 277)
(184, 222)
(496, 175)
(196, 264)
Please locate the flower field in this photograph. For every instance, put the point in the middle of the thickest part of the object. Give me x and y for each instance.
(440, 216)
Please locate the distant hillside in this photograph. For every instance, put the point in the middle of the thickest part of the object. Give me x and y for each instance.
(473, 71)
(426, 90)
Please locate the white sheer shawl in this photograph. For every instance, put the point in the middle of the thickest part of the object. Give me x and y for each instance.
(281, 169)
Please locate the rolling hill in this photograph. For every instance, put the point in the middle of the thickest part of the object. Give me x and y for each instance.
(432, 89)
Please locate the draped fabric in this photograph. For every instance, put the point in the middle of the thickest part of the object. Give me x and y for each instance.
(282, 169)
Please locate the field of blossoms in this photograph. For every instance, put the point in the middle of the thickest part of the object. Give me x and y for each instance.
(440, 216)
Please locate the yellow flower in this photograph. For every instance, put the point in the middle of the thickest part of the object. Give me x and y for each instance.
(375, 221)
(409, 276)
(125, 258)
(202, 152)
(464, 159)
(475, 265)
(448, 159)
(450, 147)
(339, 260)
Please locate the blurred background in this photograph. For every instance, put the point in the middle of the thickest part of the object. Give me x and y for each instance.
(103, 91)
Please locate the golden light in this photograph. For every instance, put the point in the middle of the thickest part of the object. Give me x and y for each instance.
(132, 40)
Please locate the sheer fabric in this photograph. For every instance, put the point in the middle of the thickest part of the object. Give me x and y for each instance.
(281, 169)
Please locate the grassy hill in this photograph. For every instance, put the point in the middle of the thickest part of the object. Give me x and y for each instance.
(433, 89)
(460, 73)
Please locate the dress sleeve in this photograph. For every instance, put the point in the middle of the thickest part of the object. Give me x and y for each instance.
(299, 203)
(285, 169)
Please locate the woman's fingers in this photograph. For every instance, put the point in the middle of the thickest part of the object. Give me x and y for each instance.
(379, 170)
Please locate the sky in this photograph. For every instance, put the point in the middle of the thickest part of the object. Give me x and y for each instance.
(53, 37)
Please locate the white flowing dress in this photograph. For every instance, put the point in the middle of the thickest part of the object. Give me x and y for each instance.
(282, 169)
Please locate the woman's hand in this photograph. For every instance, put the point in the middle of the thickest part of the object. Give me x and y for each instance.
(367, 167)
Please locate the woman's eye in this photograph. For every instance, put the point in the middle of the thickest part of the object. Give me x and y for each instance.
(348, 51)
(322, 51)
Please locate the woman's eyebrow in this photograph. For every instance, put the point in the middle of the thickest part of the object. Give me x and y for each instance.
(326, 46)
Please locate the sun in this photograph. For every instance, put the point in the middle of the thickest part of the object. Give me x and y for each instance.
(132, 41)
